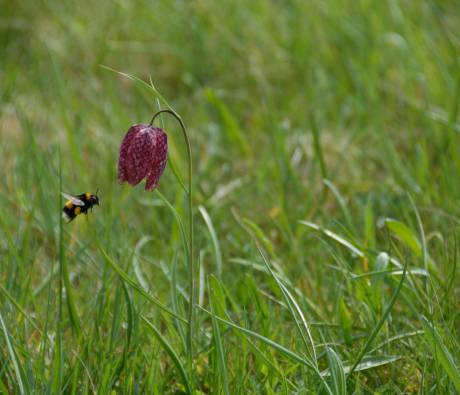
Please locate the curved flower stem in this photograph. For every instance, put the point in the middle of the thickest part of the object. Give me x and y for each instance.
(190, 247)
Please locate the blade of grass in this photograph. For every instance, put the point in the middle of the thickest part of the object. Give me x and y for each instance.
(424, 253)
(382, 320)
(139, 289)
(283, 350)
(218, 344)
(19, 308)
(345, 320)
(289, 299)
(130, 320)
(257, 234)
(136, 264)
(64, 271)
(394, 338)
(317, 146)
(179, 223)
(261, 268)
(21, 377)
(392, 272)
(58, 354)
(294, 310)
(220, 305)
(228, 122)
(342, 204)
(404, 233)
(339, 382)
(175, 302)
(368, 362)
(141, 82)
(3, 388)
(335, 237)
(70, 298)
(214, 239)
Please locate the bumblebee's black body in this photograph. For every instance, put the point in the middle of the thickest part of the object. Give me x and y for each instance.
(79, 204)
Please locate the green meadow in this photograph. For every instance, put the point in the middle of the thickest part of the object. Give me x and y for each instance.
(325, 197)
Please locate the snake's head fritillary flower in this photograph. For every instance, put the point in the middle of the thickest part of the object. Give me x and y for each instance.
(143, 154)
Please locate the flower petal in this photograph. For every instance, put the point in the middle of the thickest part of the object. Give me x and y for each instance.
(123, 156)
(140, 156)
(159, 159)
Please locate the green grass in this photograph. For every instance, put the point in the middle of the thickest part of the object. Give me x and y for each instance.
(325, 140)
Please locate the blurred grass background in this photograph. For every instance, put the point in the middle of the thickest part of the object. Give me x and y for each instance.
(278, 96)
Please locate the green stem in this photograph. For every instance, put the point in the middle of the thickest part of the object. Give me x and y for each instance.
(190, 213)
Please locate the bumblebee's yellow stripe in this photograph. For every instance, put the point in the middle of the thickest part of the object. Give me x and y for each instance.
(69, 204)
(88, 195)
(77, 210)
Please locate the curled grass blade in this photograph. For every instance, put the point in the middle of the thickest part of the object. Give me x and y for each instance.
(395, 338)
(404, 233)
(171, 352)
(334, 236)
(418, 247)
(136, 262)
(440, 352)
(124, 277)
(392, 272)
(367, 362)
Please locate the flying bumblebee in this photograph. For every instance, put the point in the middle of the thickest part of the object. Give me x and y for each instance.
(79, 204)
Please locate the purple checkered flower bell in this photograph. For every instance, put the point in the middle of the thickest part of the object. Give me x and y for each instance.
(143, 154)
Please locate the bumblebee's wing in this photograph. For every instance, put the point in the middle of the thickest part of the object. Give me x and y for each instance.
(73, 199)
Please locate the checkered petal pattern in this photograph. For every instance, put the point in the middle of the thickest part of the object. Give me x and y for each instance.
(143, 154)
